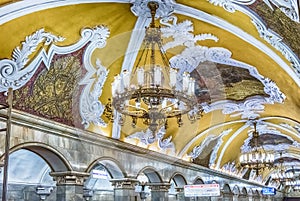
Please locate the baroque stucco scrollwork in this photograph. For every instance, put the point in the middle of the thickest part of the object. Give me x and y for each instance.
(194, 54)
(16, 72)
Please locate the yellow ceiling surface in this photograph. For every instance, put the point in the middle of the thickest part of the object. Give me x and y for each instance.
(219, 133)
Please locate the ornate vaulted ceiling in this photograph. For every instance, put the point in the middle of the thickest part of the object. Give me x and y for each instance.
(60, 58)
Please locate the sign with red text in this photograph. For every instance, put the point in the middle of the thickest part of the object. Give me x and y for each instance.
(202, 190)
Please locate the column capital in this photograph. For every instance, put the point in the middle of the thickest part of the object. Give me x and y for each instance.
(69, 177)
(179, 189)
(159, 186)
(124, 183)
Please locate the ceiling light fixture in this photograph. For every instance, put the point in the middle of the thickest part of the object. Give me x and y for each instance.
(154, 92)
(281, 175)
(257, 158)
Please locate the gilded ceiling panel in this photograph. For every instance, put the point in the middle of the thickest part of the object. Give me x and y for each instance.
(53, 93)
(217, 82)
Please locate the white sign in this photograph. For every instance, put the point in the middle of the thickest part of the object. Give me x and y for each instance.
(99, 174)
(202, 190)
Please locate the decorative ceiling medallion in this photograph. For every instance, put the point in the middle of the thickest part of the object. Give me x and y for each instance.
(15, 73)
(140, 8)
(53, 93)
(289, 7)
(193, 55)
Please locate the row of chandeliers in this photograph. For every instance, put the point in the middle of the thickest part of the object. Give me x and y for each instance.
(259, 159)
(155, 92)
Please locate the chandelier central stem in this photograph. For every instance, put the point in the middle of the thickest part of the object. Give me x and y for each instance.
(155, 91)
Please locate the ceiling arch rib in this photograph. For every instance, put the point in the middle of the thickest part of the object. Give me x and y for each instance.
(200, 15)
(21, 8)
(9, 13)
(241, 132)
(134, 44)
(205, 132)
(228, 142)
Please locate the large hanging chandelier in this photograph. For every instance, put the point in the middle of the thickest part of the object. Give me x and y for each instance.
(280, 174)
(257, 158)
(154, 92)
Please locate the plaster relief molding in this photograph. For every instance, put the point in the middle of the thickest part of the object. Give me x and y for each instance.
(21, 8)
(140, 8)
(90, 107)
(289, 7)
(197, 150)
(148, 138)
(191, 143)
(295, 128)
(230, 5)
(14, 73)
(262, 129)
(193, 54)
(205, 17)
(214, 153)
(276, 41)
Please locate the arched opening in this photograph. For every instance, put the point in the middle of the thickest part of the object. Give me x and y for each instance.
(198, 181)
(243, 195)
(28, 175)
(226, 193)
(146, 177)
(98, 184)
(177, 186)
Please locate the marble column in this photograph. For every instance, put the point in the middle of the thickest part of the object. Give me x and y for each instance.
(159, 191)
(227, 196)
(124, 189)
(180, 194)
(69, 185)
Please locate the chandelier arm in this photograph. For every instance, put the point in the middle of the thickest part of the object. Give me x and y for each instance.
(152, 86)
(165, 108)
(163, 54)
(145, 49)
(137, 108)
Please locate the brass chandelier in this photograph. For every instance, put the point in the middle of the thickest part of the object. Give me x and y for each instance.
(154, 92)
(281, 175)
(257, 158)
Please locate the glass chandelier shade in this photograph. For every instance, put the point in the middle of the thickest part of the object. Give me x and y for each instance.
(154, 92)
(282, 176)
(257, 158)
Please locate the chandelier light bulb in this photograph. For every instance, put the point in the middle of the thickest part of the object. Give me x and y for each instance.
(155, 91)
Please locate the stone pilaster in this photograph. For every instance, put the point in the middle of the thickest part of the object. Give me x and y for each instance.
(227, 196)
(124, 189)
(69, 185)
(159, 191)
(180, 194)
